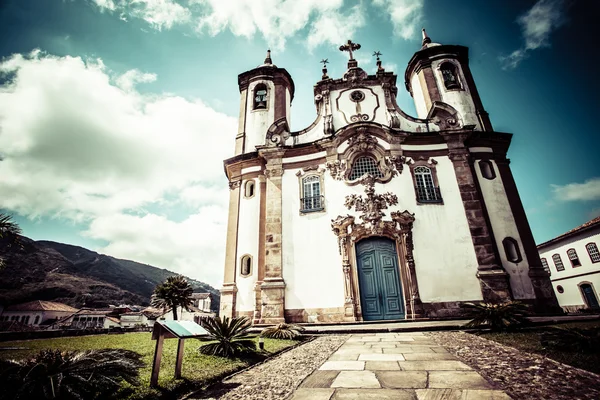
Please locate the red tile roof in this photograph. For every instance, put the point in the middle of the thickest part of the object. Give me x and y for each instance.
(200, 296)
(40, 305)
(588, 225)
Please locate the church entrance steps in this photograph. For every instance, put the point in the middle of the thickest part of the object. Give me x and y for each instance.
(360, 369)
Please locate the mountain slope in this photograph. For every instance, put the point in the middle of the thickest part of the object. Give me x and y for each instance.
(46, 270)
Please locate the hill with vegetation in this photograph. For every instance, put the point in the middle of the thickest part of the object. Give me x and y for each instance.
(45, 270)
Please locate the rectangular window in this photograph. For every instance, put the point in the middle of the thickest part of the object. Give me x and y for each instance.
(312, 200)
(558, 262)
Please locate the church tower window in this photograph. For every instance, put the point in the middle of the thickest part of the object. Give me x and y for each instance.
(260, 97)
(487, 169)
(249, 189)
(312, 199)
(425, 188)
(365, 165)
(246, 265)
(558, 262)
(450, 75)
(511, 248)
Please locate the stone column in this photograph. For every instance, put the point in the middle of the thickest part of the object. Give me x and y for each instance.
(261, 248)
(340, 228)
(229, 290)
(493, 278)
(273, 286)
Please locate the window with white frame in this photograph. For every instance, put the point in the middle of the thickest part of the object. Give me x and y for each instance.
(573, 258)
(425, 188)
(545, 265)
(558, 262)
(312, 198)
(592, 250)
(365, 165)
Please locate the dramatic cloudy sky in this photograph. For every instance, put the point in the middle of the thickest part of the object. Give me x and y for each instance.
(115, 115)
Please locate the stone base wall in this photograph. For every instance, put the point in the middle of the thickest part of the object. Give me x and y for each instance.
(247, 314)
(316, 315)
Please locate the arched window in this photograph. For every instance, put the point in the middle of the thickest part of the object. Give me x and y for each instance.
(511, 248)
(425, 187)
(450, 75)
(365, 165)
(249, 189)
(312, 199)
(592, 250)
(558, 262)
(545, 265)
(573, 258)
(260, 97)
(37, 320)
(246, 265)
(487, 169)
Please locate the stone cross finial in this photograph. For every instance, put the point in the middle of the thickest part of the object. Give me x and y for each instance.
(324, 61)
(350, 47)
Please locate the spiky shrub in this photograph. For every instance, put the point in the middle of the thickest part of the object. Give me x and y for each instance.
(55, 374)
(499, 316)
(231, 336)
(282, 331)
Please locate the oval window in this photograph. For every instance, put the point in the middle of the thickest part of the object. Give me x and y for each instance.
(560, 289)
(487, 169)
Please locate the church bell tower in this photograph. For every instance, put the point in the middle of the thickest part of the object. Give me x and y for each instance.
(440, 73)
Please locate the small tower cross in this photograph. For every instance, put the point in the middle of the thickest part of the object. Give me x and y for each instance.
(350, 47)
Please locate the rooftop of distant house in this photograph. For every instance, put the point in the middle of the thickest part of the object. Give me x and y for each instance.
(41, 305)
(582, 228)
(201, 296)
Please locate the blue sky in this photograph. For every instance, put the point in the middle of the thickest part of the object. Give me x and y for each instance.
(115, 115)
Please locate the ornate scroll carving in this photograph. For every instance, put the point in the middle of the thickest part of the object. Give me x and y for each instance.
(328, 125)
(234, 185)
(273, 172)
(362, 142)
(371, 205)
(337, 169)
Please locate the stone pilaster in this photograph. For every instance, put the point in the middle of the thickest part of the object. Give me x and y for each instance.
(273, 285)
(493, 278)
(229, 290)
(261, 248)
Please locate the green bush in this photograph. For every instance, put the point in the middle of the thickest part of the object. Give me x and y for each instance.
(498, 316)
(55, 374)
(231, 336)
(282, 331)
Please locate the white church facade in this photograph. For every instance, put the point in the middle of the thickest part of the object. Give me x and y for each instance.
(369, 213)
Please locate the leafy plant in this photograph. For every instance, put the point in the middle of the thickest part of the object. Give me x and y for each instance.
(282, 331)
(172, 293)
(55, 374)
(572, 339)
(231, 335)
(499, 316)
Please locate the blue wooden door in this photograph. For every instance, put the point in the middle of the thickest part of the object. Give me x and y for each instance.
(379, 281)
(590, 296)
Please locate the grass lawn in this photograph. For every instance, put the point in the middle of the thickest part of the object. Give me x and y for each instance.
(529, 341)
(197, 368)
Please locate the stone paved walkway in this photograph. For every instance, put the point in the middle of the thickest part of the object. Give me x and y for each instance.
(394, 366)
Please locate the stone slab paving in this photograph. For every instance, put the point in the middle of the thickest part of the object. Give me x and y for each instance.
(399, 365)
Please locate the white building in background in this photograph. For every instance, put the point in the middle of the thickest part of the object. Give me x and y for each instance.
(573, 261)
(369, 213)
(37, 312)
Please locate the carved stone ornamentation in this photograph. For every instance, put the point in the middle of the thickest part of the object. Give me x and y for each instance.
(328, 125)
(359, 117)
(371, 205)
(395, 163)
(337, 169)
(234, 185)
(273, 172)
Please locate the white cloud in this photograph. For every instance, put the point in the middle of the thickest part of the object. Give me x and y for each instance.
(587, 191)
(78, 146)
(158, 13)
(406, 16)
(536, 24)
(105, 4)
(335, 28)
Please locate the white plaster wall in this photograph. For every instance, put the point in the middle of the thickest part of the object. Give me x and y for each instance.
(368, 105)
(247, 244)
(258, 121)
(445, 259)
(572, 276)
(312, 265)
(503, 226)
(461, 100)
(418, 96)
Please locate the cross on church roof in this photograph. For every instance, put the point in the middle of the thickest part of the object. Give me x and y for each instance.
(325, 61)
(349, 47)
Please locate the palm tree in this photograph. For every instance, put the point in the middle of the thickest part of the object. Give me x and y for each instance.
(172, 293)
(8, 228)
(56, 374)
